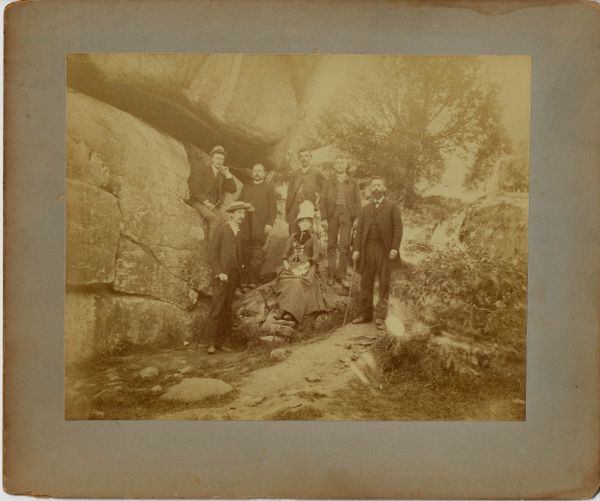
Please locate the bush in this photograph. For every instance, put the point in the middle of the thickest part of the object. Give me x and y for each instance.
(470, 294)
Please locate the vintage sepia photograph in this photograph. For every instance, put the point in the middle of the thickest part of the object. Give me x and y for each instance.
(296, 237)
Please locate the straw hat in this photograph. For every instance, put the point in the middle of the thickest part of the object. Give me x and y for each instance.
(306, 211)
(240, 205)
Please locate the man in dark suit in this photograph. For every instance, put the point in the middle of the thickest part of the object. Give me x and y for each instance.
(258, 225)
(225, 259)
(305, 183)
(378, 237)
(209, 181)
(340, 207)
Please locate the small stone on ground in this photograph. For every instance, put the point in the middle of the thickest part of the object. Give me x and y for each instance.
(197, 389)
(149, 373)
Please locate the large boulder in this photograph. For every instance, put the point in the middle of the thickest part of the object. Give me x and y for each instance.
(499, 223)
(127, 178)
(101, 324)
(93, 227)
(250, 97)
(135, 156)
(250, 94)
(139, 272)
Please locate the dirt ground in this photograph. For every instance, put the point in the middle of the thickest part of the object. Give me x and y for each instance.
(332, 376)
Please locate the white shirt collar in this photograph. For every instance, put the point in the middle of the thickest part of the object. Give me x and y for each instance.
(378, 202)
(215, 170)
(304, 170)
(234, 227)
(259, 182)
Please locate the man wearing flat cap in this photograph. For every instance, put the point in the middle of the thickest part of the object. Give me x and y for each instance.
(225, 259)
(209, 182)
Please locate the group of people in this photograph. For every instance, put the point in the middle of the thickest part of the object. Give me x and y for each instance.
(237, 247)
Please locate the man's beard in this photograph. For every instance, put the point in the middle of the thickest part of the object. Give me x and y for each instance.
(377, 194)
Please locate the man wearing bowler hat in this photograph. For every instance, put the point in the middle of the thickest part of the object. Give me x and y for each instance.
(225, 259)
(208, 185)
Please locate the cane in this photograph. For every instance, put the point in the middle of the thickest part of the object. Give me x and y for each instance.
(350, 291)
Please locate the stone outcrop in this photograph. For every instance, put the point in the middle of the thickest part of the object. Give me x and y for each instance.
(497, 222)
(129, 231)
(93, 228)
(249, 102)
(137, 126)
(106, 324)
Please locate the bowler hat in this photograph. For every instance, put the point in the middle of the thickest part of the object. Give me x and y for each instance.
(240, 205)
(218, 149)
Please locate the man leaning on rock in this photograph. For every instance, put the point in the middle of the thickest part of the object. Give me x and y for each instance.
(211, 183)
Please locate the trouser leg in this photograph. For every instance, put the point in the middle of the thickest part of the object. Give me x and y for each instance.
(291, 219)
(384, 287)
(367, 279)
(211, 218)
(217, 311)
(257, 259)
(345, 231)
(332, 243)
(224, 328)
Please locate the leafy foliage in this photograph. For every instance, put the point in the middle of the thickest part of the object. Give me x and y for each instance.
(470, 294)
(404, 118)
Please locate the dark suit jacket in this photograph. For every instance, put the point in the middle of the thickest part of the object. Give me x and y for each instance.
(328, 197)
(225, 250)
(390, 225)
(204, 185)
(264, 200)
(312, 183)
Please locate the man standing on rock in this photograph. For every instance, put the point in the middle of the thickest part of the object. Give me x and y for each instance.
(258, 225)
(209, 186)
(305, 183)
(225, 259)
(378, 237)
(340, 207)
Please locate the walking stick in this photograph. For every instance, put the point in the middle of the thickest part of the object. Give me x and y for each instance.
(350, 291)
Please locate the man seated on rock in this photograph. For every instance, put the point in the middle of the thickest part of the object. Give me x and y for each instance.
(208, 187)
(258, 225)
(305, 184)
(340, 207)
(225, 259)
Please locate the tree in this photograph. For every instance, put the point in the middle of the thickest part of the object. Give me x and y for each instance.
(405, 116)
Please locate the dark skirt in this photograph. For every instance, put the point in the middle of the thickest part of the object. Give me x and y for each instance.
(300, 295)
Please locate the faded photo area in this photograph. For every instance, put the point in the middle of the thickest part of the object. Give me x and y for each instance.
(269, 237)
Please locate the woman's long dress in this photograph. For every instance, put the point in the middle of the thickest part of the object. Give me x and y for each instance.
(298, 289)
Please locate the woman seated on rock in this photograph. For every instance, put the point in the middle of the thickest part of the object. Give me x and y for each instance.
(298, 289)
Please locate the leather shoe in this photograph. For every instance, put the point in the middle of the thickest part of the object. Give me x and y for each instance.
(211, 350)
(361, 320)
